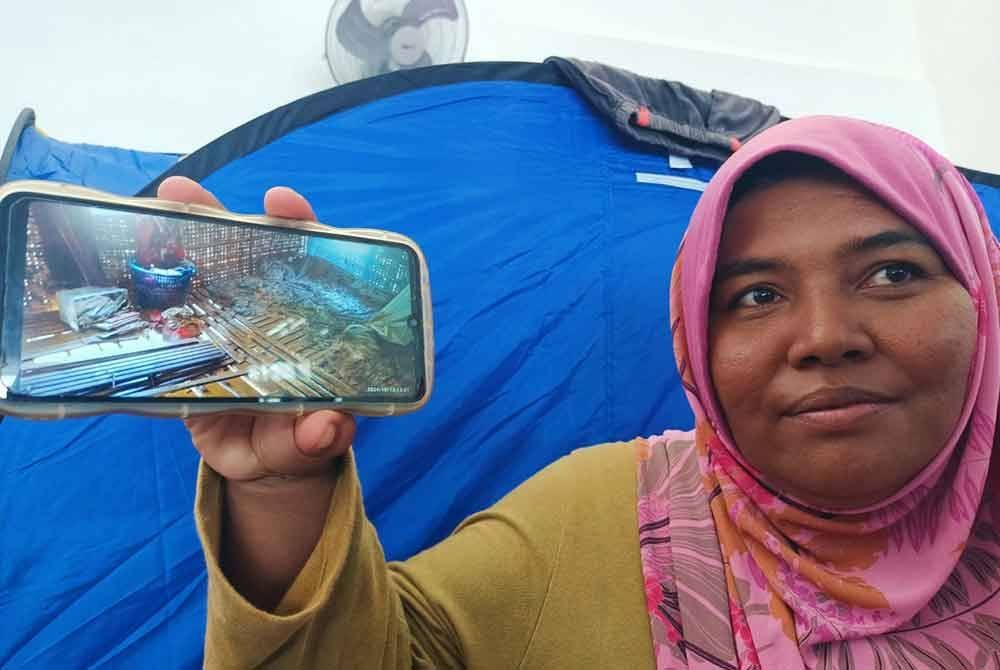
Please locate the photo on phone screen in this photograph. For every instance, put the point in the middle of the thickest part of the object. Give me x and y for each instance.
(126, 304)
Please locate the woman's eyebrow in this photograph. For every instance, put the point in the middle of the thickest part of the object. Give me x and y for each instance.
(883, 240)
(747, 266)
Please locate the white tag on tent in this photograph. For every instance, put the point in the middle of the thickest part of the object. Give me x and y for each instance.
(680, 163)
(670, 180)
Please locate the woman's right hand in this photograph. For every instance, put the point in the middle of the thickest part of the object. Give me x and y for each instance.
(251, 448)
(278, 470)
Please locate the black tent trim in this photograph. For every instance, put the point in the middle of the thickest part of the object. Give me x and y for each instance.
(270, 126)
(25, 119)
(980, 177)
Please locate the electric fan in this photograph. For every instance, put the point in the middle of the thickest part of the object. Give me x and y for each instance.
(365, 38)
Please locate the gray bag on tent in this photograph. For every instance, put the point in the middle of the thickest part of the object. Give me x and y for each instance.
(683, 120)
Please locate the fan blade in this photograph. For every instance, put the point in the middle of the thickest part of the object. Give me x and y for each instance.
(423, 61)
(419, 11)
(360, 38)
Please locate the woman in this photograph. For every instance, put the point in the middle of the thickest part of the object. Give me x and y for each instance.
(836, 328)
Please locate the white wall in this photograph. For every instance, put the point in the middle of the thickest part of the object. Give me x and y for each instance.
(172, 76)
(960, 55)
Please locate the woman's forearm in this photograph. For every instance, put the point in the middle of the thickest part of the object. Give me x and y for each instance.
(269, 530)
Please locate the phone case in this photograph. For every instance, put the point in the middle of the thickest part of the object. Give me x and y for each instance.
(57, 409)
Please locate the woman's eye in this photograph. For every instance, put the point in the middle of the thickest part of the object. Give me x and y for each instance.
(756, 297)
(896, 273)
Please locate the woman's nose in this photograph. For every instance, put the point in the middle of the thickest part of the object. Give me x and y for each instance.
(828, 332)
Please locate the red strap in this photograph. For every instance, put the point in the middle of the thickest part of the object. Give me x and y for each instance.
(642, 117)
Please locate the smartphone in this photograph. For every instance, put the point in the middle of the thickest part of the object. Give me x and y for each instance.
(112, 304)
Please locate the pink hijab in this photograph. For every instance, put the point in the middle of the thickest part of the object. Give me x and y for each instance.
(737, 577)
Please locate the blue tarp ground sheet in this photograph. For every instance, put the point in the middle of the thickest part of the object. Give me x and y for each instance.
(549, 267)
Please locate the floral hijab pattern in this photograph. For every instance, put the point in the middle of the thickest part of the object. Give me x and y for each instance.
(740, 577)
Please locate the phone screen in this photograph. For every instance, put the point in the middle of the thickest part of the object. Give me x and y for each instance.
(111, 302)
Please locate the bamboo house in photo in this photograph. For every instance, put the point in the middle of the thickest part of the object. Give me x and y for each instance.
(123, 304)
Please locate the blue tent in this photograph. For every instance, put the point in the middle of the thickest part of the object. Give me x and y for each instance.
(550, 239)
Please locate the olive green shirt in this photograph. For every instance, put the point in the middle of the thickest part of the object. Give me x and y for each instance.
(549, 577)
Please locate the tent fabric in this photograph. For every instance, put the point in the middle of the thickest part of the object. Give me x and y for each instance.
(256, 133)
(37, 156)
(550, 239)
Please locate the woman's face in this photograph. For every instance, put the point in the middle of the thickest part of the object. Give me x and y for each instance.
(840, 343)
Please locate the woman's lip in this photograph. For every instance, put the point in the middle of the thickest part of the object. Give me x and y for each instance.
(841, 418)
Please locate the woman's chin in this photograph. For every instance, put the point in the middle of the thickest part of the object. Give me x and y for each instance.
(844, 471)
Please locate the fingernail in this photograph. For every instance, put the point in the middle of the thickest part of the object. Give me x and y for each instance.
(328, 436)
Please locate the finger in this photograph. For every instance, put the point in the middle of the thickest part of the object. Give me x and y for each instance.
(286, 203)
(202, 426)
(272, 439)
(222, 440)
(182, 189)
(323, 433)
